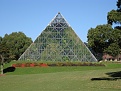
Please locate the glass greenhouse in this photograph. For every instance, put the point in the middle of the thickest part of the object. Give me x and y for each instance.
(58, 42)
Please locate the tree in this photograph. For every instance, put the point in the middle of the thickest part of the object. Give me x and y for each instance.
(4, 54)
(12, 46)
(114, 16)
(104, 38)
(17, 43)
(99, 37)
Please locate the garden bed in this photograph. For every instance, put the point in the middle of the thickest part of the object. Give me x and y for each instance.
(29, 64)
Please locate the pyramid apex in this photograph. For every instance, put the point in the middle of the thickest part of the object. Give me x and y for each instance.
(59, 19)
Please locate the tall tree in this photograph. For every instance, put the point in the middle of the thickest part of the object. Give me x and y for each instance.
(4, 54)
(114, 16)
(105, 39)
(99, 37)
(16, 42)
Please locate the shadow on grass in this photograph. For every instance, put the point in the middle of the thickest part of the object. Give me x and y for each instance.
(9, 69)
(111, 76)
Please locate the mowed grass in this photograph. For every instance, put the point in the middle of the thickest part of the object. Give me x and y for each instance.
(61, 79)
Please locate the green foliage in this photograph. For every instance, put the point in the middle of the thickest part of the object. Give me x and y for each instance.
(105, 39)
(114, 17)
(116, 37)
(113, 49)
(99, 37)
(0, 39)
(16, 43)
(4, 53)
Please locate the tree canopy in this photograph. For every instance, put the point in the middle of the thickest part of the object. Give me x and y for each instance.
(16, 43)
(104, 38)
(99, 37)
(114, 17)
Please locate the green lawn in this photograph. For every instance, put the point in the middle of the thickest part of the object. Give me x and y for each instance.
(61, 79)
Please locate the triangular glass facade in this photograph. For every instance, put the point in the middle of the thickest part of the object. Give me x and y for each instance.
(58, 42)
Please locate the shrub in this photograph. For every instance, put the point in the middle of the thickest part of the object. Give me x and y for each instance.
(13, 65)
(44, 65)
(18, 64)
(59, 64)
(27, 64)
(22, 65)
(32, 65)
(51, 64)
(36, 64)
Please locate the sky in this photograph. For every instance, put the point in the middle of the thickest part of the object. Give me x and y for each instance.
(32, 16)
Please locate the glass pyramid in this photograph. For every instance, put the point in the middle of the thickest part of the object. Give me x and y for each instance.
(58, 42)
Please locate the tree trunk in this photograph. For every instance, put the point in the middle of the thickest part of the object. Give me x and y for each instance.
(1, 69)
(2, 64)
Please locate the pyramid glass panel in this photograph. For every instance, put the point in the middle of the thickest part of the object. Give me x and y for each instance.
(58, 42)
